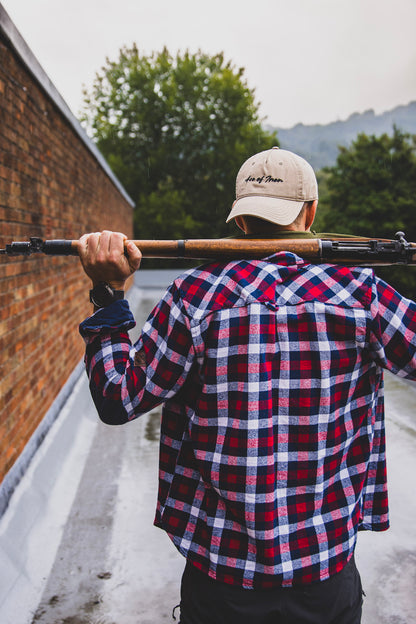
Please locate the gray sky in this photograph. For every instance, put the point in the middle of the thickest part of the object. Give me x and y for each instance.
(309, 61)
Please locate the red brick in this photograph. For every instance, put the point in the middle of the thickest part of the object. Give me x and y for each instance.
(50, 186)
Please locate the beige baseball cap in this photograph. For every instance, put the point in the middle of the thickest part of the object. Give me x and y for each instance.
(274, 185)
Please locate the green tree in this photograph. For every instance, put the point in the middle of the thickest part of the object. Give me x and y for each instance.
(175, 130)
(371, 191)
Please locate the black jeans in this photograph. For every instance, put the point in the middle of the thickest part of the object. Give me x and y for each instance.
(338, 600)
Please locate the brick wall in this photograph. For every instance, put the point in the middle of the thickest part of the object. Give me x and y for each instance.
(52, 186)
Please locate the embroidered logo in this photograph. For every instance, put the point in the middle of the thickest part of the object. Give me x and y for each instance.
(261, 179)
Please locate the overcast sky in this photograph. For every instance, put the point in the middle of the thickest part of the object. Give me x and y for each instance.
(309, 61)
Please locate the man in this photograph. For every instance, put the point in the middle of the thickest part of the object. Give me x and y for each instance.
(272, 437)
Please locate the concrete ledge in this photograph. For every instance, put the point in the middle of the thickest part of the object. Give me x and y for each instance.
(31, 527)
(15, 474)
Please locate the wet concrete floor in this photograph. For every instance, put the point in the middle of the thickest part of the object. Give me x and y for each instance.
(113, 566)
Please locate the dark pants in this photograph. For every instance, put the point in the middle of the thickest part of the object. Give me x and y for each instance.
(337, 600)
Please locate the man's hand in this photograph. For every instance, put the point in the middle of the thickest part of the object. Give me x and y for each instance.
(103, 258)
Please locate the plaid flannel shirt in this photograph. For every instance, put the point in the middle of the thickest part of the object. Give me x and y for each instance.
(272, 451)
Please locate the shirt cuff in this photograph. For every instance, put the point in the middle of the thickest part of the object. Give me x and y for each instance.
(116, 316)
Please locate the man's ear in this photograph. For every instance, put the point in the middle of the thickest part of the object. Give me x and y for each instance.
(241, 223)
(310, 214)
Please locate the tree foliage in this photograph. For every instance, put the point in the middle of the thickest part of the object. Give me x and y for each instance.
(371, 191)
(175, 130)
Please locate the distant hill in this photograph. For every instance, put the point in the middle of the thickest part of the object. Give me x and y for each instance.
(319, 143)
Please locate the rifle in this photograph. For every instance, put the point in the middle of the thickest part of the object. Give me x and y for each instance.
(349, 251)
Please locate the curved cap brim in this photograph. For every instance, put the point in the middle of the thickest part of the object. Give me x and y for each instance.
(276, 210)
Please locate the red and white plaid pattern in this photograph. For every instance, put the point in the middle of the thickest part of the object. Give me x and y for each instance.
(272, 450)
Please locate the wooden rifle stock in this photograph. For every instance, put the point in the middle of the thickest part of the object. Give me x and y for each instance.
(347, 251)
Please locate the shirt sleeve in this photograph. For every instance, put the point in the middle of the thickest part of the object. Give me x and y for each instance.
(393, 339)
(129, 380)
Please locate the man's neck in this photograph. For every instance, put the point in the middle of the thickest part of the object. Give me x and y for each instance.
(272, 232)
